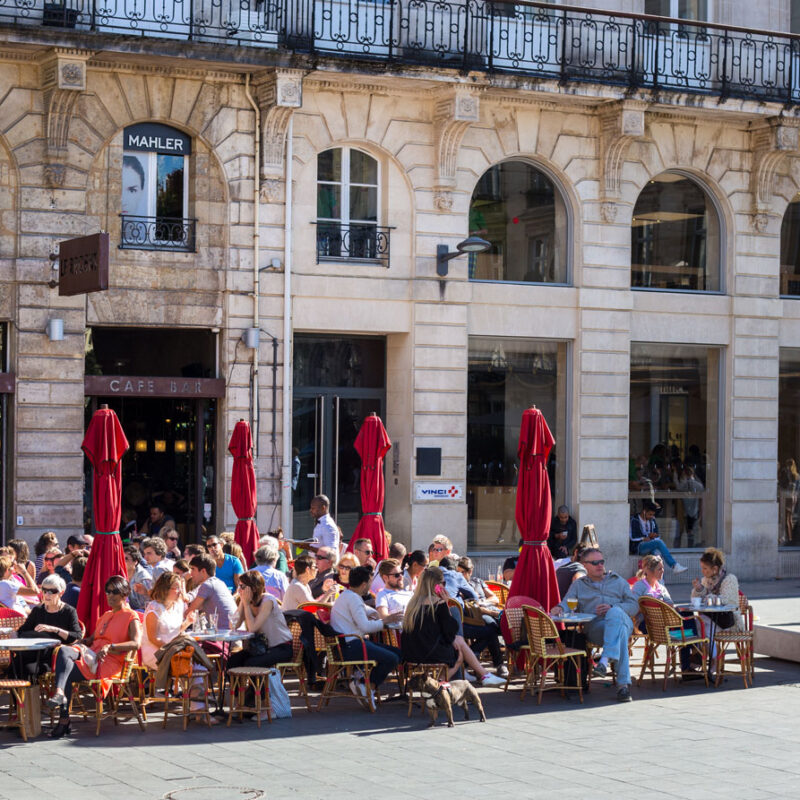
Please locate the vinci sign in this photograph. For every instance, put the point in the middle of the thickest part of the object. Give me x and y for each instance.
(439, 491)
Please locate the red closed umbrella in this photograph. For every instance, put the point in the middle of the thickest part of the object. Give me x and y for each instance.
(372, 444)
(535, 575)
(104, 445)
(243, 490)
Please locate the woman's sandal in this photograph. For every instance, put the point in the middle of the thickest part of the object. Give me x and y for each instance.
(56, 702)
(61, 729)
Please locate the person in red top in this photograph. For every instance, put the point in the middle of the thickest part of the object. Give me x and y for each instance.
(118, 632)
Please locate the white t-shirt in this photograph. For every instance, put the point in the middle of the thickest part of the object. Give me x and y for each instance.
(167, 628)
(393, 600)
(9, 596)
(296, 593)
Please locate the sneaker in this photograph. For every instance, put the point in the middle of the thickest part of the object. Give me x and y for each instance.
(600, 670)
(502, 671)
(492, 680)
(678, 568)
(624, 694)
(264, 717)
(470, 677)
(357, 688)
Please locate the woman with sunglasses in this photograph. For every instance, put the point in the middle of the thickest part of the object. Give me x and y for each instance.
(118, 632)
(53, 618)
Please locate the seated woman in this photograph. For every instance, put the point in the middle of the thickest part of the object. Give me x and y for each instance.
(165, 616)
(53, 618)
(15, 583)
(118, 632)
(717, 581)
(346, 563)
(305, 570)
(413, 565)
(261, 614)
(430, 633)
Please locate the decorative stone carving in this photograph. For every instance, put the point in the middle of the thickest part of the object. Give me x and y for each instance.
(771, 142)
(760, 222)
(278, 93)
(456, 110)
(608, 212)
(62, 75)
(443, 200)
(620, 124)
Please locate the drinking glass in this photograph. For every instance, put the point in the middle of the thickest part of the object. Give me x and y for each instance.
(572, 602)
(213, 620)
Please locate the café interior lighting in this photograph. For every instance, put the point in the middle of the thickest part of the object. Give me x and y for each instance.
(160, 445)
(140, 446)
(180, 445)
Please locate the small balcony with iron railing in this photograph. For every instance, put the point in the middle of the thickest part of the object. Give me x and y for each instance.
(157, 233)
(533, 40)
(352, 242)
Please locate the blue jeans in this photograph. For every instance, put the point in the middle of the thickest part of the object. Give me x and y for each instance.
(386, 658)
(614, 630)
(656, 546)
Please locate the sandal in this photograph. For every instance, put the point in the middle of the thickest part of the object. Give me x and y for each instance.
(62, 729)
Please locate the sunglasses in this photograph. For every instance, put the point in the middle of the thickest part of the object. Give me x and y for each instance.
(438, 549)
(172, 538)
(344, 566)
(213, 544)
(395, 575)
(597, 563)
(49, 591)
(113, 591)
(50, 560)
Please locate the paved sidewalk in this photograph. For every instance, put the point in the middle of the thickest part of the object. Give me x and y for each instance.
(690, 742)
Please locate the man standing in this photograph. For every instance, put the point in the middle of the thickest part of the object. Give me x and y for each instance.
(212, 594)
(609, 598)
(563, 534)
(326, 531)
(393, 598)
(229, 568)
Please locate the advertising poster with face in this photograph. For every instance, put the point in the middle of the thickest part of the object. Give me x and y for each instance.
(134, 185)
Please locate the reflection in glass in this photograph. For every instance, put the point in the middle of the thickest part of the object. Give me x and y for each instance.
(506, 376)
(330, 361)
(674, 237)
(674, 439)
(518, 209)
(789, 448)
(790, 250)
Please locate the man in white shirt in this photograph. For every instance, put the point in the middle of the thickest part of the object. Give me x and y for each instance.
(393, 598)
(326, 531)
(154, 551)
(352, 618)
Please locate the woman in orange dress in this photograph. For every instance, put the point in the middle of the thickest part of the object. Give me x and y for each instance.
(118, 632)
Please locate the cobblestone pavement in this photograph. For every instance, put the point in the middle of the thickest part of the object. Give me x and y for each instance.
(688, 742)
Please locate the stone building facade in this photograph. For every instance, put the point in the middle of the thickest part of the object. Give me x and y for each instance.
(400, 338)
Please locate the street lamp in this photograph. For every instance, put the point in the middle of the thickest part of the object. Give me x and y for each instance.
(472, 244)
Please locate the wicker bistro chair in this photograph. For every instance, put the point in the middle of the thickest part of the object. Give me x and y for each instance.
(341, 671)
(500, 589)
(296, 665)
(12, 620)
(546, 651)
(18, 693)
(513, 617)
(740, 641)
(665, 628)
(413, 671)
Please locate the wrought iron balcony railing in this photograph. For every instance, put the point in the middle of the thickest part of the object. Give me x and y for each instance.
(531, 39)
(361, 241)
(157, 233)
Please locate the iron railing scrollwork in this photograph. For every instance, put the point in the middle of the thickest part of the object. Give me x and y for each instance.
(355, 241)
(537, 40)
(157, 233)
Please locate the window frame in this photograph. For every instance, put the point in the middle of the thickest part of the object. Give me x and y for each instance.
(345, 184)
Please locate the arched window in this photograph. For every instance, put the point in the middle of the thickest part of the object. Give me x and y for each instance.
(520, 211)
(347, 207)
(675, 237)
(790, 250)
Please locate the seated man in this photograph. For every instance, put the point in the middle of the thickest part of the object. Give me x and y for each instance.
(351, 617)
(570, 572)
(398, 551)
(644, 539)
(563, 534)
(609, 598)
(509, 567)
(275, 582)
(229, 568)
(139, 578)
(70, 596)
(363, 551)
(154, 550)
(393, 598)
(440, 547)
(326, 570)
(212, 594)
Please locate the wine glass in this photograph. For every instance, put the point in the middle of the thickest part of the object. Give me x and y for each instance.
(572, 602)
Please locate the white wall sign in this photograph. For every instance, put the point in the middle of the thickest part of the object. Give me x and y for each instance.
(438, 491)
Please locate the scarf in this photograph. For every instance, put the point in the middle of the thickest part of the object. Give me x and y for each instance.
(714, 584)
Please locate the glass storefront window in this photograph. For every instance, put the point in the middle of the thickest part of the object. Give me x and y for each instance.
(520, 211)
(506, 376)
(675, 237)
(3, 437)
(674, 439)
(790, 250)
(789, 448)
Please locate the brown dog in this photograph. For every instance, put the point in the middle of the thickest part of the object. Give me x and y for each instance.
(445, 696)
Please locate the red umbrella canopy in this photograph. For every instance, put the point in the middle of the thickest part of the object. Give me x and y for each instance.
(372, 444)
(243, 489)
(104, 445)
(535, 575)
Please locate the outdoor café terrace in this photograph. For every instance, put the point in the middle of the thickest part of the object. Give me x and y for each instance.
(530, 40)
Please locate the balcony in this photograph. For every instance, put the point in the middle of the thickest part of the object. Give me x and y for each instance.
(157, 233)
(337, 241)
(528, 39)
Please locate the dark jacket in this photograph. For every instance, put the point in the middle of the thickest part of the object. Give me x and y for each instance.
(431, 642)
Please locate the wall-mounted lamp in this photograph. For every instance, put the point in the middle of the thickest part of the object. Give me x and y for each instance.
(141, 446)
(472, 244)
(274, 265)
(180, 445)
(55, 329)
(251, 337)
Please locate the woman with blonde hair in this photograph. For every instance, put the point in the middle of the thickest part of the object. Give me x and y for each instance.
(430, 633)
(347, 562)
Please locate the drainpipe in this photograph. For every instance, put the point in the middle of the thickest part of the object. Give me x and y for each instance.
(286, 483)
(256, 258)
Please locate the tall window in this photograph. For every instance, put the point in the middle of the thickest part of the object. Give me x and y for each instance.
(155, 192)
(674, 439)
(520, 211)
(789, 448)
(347, 205)
(506, 376)
(678, 9)
(675, 237)
(4, 388)
(790, 250)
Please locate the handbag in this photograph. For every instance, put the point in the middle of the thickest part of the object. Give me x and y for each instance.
(180, 665)
(473, 614)
(257, 645)
(278, 696)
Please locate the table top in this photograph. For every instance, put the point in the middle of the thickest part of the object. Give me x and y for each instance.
(576, 618)
(219, 636)
(704, 609)
(27, 644)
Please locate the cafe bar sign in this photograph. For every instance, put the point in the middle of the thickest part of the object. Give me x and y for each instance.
(83, 265)
(134, 386)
